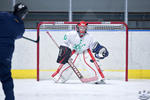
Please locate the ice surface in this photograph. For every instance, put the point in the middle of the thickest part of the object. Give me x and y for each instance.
(30, 89)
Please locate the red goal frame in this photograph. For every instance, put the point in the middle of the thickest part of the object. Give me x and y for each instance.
(48, 22)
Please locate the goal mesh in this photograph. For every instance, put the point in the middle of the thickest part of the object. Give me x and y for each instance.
(112, 35)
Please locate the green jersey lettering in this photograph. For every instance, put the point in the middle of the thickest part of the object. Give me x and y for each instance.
(78, 47)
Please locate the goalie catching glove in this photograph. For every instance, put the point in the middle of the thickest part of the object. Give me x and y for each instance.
(100, 51)
(64, 54)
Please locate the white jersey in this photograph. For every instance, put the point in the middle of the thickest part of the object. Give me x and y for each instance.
(73, 41)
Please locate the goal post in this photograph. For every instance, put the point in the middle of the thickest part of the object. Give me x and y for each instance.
(113, 35)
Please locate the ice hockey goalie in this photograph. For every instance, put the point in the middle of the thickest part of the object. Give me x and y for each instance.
(78, 41)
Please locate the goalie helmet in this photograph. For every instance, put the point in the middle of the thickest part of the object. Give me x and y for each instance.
(82, 28)
(20, 10)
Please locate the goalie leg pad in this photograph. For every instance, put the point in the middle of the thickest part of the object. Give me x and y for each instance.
(64, 75)
(64, 55)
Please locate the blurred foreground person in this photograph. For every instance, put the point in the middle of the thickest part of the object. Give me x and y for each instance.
(11, 28)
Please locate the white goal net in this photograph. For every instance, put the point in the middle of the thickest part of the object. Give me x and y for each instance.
(112, 35)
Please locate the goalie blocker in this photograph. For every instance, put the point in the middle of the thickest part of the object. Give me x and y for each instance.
(64, 55)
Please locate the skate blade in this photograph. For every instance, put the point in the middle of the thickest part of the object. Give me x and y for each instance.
(100, 82)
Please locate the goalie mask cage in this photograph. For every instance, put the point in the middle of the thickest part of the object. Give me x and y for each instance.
(112, 35)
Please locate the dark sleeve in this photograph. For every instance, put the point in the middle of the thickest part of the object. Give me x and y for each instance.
(18, 28)
(11, 26)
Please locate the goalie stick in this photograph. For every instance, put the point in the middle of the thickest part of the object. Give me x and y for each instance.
(76, 71)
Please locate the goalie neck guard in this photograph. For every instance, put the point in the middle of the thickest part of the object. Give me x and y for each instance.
(82, 28)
